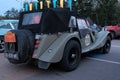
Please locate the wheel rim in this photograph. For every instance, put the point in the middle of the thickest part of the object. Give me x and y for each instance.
(2, 47)
(113, 35)
(73, 56)
(108, 46)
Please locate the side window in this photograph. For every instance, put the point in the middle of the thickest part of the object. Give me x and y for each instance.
(72, 22)
(82, 24)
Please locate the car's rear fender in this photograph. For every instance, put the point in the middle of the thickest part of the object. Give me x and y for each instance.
(55, 51)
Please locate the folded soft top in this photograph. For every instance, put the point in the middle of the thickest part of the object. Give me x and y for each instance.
(52, 21)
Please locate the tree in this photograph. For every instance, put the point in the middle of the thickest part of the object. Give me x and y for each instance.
(117, 13)
(102, 12)
(1, 17)
(12, 14)
(106, 12)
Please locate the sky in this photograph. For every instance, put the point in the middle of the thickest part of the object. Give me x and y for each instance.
(8, 4)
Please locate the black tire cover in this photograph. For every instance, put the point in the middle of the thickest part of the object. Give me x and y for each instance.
(24, 46)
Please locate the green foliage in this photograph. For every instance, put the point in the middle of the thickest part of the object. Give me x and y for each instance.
(102, 12)
(117, 13)
(11, 14)
(106, 12)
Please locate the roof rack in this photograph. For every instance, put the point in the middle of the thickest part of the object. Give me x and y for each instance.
(42, 4)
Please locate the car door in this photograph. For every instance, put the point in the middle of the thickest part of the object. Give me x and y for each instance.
(86, 35)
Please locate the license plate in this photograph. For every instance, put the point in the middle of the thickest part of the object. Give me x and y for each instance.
(10, 37)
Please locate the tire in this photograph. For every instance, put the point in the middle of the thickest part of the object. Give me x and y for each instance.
(19, 48)
(71, 56)
(23, 47)
(113, 35)
(106, 48)
(31, 40)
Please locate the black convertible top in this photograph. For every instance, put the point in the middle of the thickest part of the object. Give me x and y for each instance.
(52, 21)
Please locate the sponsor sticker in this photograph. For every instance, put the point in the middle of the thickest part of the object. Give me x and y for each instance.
(87, 40)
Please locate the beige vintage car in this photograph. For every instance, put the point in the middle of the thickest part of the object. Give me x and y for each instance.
(53, 36)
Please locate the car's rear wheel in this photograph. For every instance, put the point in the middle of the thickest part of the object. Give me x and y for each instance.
(71, 56)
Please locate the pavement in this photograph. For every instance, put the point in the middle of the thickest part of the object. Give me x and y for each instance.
(92, 67)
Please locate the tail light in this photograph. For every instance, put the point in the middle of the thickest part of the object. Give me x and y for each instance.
(37, 43)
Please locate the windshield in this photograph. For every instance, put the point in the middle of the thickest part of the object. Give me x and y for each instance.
(82, 24)
(15, 24)
(8, 25)
(5, 25)
(32, 18)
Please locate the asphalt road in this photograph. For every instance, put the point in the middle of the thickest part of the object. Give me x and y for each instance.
(92, 67)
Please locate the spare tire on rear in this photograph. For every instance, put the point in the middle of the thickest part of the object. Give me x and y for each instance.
(22, 50)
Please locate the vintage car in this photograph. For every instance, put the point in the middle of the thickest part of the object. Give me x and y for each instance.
(53, 35)
(5, 26)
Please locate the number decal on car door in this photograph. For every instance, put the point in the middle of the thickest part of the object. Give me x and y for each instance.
(87, 40)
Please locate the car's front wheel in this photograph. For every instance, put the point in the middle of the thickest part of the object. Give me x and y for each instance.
(107, 46)
(113, 35)
(71, 56)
